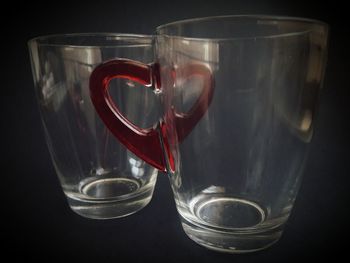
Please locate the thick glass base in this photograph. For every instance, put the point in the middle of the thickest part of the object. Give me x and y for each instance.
(229, 224)
(106, 199)
(231, 241)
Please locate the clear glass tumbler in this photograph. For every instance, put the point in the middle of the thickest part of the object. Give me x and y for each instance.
(240, 167)
(100, 177)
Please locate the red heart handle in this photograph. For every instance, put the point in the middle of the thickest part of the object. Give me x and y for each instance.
(145, 143)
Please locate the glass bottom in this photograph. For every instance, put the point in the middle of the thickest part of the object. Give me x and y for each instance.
(228, 224)
(110, 198)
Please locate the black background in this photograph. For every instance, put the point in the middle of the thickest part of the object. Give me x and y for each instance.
(38, 223)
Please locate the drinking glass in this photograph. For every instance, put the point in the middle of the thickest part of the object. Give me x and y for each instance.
(99, 176)
(241, 166)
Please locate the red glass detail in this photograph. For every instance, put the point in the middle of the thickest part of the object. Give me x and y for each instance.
(144, 143)
(185, 122)
(166, 145)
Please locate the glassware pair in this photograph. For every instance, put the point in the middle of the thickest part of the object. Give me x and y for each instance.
(224, 105)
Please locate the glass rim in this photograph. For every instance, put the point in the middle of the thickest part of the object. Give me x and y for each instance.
(274, 18)
(144, 40)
